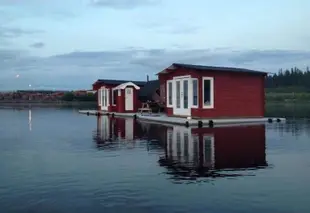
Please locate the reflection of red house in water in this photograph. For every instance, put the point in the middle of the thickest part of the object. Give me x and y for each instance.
(119, 129)
(187, 150)
(219, 148)
(110, 129)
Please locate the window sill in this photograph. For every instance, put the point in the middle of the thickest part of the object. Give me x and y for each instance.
(208, 107)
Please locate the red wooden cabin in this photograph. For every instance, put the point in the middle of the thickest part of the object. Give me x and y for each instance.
(212, 92)
(124, 96)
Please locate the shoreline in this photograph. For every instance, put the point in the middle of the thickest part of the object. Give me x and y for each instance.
(22, 104)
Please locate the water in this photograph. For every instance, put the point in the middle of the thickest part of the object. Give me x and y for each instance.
(56, 160)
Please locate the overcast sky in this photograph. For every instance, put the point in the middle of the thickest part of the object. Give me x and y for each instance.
(68, 44)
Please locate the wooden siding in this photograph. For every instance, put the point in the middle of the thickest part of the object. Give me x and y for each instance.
(235, 94)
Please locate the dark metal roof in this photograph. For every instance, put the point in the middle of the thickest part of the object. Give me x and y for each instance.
(118, 82)
(217, 69)
(147, 91)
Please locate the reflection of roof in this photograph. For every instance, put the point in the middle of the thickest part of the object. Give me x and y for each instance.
(212, 69)
(117, 82)
(147, 91)
(183, 171)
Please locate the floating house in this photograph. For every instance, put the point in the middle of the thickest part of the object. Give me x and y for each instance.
(125, 96)
(212, 92)
(187, 90)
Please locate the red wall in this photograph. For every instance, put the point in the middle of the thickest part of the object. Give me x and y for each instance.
(235, 94)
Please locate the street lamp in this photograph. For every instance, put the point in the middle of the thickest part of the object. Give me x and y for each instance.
(30, 90)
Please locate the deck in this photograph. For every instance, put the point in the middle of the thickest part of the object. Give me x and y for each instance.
(163, 119)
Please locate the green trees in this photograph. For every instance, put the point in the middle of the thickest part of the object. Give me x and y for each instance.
(293, 80)
(71, 96)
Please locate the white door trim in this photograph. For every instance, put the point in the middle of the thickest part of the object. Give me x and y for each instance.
(104, 97)
(129, 105)
(181, 110)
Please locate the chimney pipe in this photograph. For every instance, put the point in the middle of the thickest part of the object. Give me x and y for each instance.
(147, 78)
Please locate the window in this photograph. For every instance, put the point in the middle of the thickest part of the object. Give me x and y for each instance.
(169, 91)
(195, 92)
(114, 96)
(208, 91)
(178, 91)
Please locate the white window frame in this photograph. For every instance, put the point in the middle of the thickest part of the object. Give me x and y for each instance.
(182, 76)
(211, 79)
(167, 99)
(192, 92)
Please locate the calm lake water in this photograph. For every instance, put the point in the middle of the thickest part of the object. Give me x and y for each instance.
(56, 160)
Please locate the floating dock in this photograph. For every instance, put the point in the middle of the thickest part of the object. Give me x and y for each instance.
(164, 119)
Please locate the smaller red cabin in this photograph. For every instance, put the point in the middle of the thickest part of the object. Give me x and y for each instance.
(124, 96)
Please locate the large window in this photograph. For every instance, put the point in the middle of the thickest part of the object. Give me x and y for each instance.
(114, 96)
(169, 93)
(208, 92)
(195, 92)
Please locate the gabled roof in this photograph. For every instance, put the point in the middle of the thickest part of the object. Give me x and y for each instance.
(210, 69)
(124, 85)
(117, 82)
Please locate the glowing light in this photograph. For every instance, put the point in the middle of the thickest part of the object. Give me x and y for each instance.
(17, 76)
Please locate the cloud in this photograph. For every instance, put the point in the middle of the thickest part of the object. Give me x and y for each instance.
(81, 69)
(14, 32)
(124, 4)
(174, 26)
(37, 45)
(12, 10)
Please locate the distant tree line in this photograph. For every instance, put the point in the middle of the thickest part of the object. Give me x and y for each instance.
(71, 96)
(290, 80)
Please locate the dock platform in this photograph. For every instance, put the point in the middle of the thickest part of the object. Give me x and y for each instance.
(164, 119)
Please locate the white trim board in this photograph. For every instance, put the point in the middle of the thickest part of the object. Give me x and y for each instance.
(192, 93)
(167, 91)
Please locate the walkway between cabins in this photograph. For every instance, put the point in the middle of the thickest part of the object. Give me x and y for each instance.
(164, 119)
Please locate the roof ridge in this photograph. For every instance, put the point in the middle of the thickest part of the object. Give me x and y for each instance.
(206, 67)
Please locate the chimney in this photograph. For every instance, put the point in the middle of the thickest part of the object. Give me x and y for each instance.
(147, 78)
